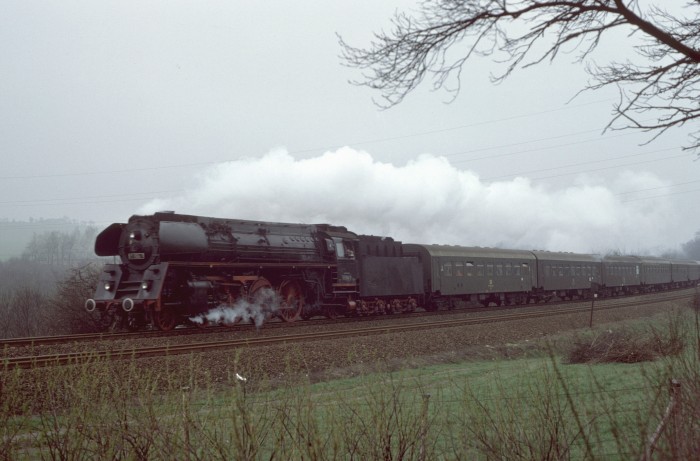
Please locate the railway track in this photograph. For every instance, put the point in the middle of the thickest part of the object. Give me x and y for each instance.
(111, 336)
(429, 323)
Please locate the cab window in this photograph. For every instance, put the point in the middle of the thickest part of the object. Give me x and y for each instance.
(343, 248)
(339, 249)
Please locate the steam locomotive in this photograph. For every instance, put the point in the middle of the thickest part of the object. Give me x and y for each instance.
(175, 268)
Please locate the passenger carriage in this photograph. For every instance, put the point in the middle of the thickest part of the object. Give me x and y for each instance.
(621, 275)
(566, 275)
(475, 275)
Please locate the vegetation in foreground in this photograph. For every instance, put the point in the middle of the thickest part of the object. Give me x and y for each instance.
(533, 408)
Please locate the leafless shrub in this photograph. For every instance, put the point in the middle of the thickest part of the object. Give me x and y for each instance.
(631, 346)
(22, 311)
(611, 346)
(68, 311)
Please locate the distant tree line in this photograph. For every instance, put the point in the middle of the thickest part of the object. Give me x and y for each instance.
(34, 308)
(692, 247)
(43, 292)
(60, 248)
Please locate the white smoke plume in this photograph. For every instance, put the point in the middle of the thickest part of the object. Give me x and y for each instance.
(257, 311)
(430, 201)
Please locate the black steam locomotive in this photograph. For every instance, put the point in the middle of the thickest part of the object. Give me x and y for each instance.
(177, 268)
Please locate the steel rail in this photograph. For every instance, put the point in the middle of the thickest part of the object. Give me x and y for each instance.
(111, 336)
(171, 350)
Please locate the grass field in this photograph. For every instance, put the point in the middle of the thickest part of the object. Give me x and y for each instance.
(534, 408)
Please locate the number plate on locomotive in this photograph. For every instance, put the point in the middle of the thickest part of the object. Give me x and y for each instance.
(136, 256)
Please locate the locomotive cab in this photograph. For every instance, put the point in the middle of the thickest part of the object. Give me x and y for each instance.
(340, 248)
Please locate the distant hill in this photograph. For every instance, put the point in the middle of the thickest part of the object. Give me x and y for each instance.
(15, 236)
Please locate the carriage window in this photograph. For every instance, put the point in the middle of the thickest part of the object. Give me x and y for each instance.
(499, 270)
(561, 271)
(516, 270)
(480, 270)
(470, 268)
(459, 269)
(447, 269)
(489, 270)
(509, 270)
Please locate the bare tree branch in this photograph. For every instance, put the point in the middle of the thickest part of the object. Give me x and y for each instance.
(521, 33)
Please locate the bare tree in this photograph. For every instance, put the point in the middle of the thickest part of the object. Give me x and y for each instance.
(68, 313)
(27, 311)
(5, 309)
(664, 83)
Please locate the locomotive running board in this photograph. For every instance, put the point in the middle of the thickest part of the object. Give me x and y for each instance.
(248, 265)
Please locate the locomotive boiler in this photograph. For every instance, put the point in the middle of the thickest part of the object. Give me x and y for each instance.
(173, 267)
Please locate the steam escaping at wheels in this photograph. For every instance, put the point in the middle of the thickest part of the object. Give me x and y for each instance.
(262, 305)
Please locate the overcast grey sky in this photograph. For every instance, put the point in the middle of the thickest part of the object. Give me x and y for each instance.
(243, 110)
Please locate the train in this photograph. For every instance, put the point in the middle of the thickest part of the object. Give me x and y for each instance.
(175, 269)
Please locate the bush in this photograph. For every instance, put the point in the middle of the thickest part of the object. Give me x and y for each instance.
(69, 314)
(630, 346)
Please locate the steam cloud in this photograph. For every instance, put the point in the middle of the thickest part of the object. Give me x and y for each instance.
(430, 201)
(259, 309)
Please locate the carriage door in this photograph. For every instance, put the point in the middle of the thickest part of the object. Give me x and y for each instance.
(525, 277)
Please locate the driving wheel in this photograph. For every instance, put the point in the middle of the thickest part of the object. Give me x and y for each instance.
(164, 319)
(292, 301)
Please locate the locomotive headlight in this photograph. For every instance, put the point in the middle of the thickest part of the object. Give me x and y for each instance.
(146, 285)
(108, 286)
(135, 235)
